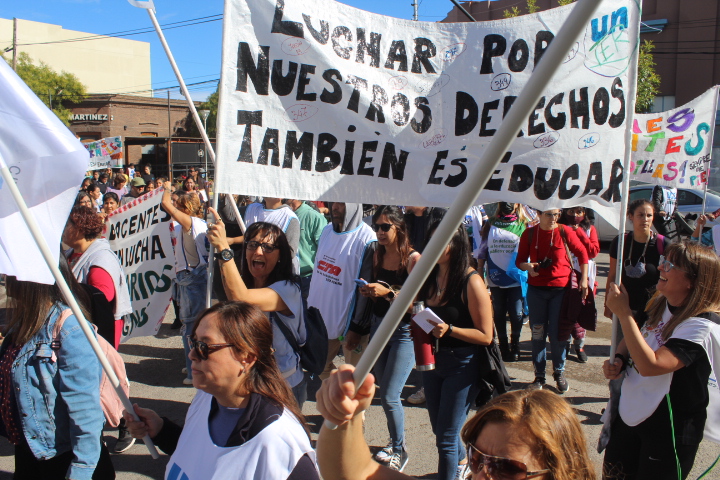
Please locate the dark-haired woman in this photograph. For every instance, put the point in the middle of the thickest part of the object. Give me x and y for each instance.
(641, 257)
(83, 200)
(111, 202)
(543, 253)
(95, 195)
(499, 241)
(581, 221)
(191, 258)
(393, 261)
(93, 262)
(243, 423)
(266, 280)
(459, 296)
(50, 387)
(668, 399)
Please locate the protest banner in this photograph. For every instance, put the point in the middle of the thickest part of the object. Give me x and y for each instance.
(674, 148)
(320, 100)
(140, 235)
(105, 153)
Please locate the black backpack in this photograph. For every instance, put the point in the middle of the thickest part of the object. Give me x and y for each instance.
(314, 352)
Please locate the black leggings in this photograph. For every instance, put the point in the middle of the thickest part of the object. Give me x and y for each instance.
(27, 467)
(645, 452)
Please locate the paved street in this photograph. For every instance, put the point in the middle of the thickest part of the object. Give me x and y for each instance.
(154, 364)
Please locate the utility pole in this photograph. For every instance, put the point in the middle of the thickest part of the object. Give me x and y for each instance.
(15, 44)
(415, 10)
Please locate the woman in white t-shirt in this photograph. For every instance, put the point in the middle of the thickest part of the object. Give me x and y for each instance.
(266, 280)
(669, 400)
(243, 423)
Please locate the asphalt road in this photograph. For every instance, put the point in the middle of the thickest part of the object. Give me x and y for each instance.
(154, 364)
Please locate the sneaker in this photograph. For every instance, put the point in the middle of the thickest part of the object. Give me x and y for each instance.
(418, 397)
(581, 355)
(537, 384)
(383, 456)
(525, 319)
(463, 472)
(562, 384)
(125, 440)
(187, 381)
(398, 460)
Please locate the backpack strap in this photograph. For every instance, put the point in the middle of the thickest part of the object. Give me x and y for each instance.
(660, 244)
(286, 332)
(712, 316)
(563, 237)
(56, 341)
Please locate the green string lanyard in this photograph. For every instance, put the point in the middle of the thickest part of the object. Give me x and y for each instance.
(677, 460)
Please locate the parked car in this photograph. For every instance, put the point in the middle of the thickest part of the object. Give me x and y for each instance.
(689, 202)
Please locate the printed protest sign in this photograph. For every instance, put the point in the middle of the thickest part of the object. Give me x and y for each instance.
(320, 100)
(140, 235)
(104, 153)
(674, 148)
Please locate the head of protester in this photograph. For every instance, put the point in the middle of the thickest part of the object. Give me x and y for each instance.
(243, 404)
(346, 217)
(110, 202)
(266, 280)
(95, 195)
(83, 200)
(56, 368)
(543, 253)
(577, 217)
(191, 257)
(668, 402)
(87, 181)
(189, 185)
(119, 181)
(137, 187)
(463, 322)
(641, 255)
(393, 261)
(517, 436)
(150, 186)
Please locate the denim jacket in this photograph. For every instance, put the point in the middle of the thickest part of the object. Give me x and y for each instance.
(58, 399)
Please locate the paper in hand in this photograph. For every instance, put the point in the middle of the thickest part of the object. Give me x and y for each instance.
(422, 320)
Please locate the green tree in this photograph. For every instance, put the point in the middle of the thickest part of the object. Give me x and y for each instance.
(188, 127)
(54, 89)
(648, 82)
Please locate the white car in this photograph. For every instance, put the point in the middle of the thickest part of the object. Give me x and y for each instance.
(689, 201)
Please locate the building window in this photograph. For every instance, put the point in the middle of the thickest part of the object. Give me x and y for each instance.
(663, 103)
(88, 136)
(148, 134)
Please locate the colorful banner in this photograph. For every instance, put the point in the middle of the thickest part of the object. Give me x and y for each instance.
(140, 235)
(674, 148)
(320, 100)
(104, 153)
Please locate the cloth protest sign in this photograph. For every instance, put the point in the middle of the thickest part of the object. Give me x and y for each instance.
(35, 146)
(147, 4)
(674, 148)
(104, 153)
(140, 235)
(324, 101)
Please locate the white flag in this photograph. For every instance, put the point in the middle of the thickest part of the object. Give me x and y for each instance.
(142, 4)
(47, 163)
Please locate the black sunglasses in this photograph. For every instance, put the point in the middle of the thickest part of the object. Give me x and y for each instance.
(204, 350)
(266, 247)
(499, 468)
(385, 227)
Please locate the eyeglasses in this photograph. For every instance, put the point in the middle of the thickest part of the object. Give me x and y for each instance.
(667, 265)
(204, 350)
(499, 468)
(266, 247)
(385, 227)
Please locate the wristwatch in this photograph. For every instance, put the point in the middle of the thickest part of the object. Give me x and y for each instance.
(391, 295)
(225, 255)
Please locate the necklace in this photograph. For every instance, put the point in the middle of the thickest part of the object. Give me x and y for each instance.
(439, 291)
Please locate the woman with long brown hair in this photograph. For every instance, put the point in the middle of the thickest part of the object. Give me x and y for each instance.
(393, 261)
(668, 399)
(243, 422)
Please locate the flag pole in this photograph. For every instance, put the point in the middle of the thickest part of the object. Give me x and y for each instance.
(69, 299)
(710, 136)
(478, 177)
(208, 146)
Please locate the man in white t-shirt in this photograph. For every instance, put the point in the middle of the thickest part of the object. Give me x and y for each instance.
(344, 254)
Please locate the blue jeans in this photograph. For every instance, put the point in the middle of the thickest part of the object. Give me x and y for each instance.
(391, 372)
(507, 301)
(192, 290)
(544, 319)
(450, 389)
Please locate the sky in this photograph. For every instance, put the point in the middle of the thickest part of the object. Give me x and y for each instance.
(196, 48)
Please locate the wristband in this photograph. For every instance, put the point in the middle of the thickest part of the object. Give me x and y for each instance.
(450, 329)
(624, 360)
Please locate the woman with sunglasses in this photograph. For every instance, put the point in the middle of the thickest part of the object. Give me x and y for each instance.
(543, 253)
(668, 399)
(191, 257)
(517, 436)
(581, 221)
(641, 255)
(458, 296)
(393, 261)
(266, 280)
(243, 422)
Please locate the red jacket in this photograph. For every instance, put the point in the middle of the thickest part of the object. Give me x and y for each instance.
(535, 246)
(592, 244)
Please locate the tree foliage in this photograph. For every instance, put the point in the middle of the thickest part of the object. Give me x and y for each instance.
(648, 82)
(54, 89)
